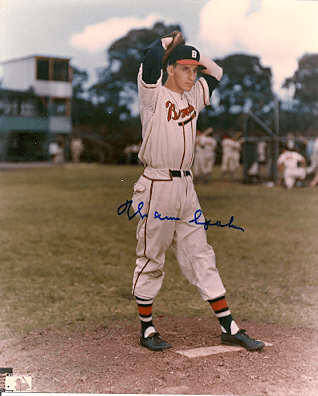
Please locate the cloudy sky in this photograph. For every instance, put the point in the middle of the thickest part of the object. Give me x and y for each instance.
(278, 31)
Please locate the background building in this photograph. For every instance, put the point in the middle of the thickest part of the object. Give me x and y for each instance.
(35, 107)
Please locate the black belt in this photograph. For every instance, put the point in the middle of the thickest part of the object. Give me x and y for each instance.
(178, 173)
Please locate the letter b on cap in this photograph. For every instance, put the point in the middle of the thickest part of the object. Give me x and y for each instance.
(194, 54)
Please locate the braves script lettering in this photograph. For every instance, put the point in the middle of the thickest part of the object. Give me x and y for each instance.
(174, 115)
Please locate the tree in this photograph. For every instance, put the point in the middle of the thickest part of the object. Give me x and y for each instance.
(83, 110)
(79, 78)
(305, 82)
(116, 89)
(245, 82)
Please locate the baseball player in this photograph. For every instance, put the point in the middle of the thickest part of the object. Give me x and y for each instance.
(53, 150)
(131, 153)
(313, 168)
(313, 157)
(201, 165)
(165, 190)
(77, 147)
(210, 147)
(199, 158)
(290, 141)
(228, 159)
(236, 149)
(59, 157)
(291, 166)
(261, 152)
(128, 153)
(314, 180)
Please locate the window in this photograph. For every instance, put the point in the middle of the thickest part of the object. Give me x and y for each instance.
(59, 107)
(28, 108)
(43, 105)
(53, 69)
(10, 107)
(60, 70)
(43, 69)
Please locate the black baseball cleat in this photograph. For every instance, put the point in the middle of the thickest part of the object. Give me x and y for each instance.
(242, 339)
(154, 342)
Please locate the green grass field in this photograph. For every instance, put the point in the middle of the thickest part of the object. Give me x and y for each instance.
(66, 255)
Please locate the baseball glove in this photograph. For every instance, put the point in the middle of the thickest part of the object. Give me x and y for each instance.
(177, 40)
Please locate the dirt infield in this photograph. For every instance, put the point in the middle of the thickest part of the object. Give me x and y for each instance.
(107, 358)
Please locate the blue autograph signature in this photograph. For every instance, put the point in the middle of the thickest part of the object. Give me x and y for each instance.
(158, 216)
(126, 208)
(207, 223)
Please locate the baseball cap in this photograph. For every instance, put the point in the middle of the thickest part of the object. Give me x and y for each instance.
(185, 55)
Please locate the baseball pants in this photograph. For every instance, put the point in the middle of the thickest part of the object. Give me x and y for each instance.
(291, 175)
(170, 203)
(229, 163)
(209, 162)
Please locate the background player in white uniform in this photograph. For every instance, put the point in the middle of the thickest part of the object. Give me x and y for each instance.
(77, 147)
(165, 195)
(204, 157)
(199, 163)
(291, 166)
(314, 181)
(236, 150)
(313, 168)
(210, 147)
(290, 141)
(261, 152)
(228, 159)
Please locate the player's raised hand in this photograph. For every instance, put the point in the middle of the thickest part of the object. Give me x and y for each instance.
(170, 42)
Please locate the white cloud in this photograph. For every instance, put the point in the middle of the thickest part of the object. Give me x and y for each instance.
(99, 36)
(280, 33)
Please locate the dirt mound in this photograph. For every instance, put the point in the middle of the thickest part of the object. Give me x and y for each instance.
(107, 358)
